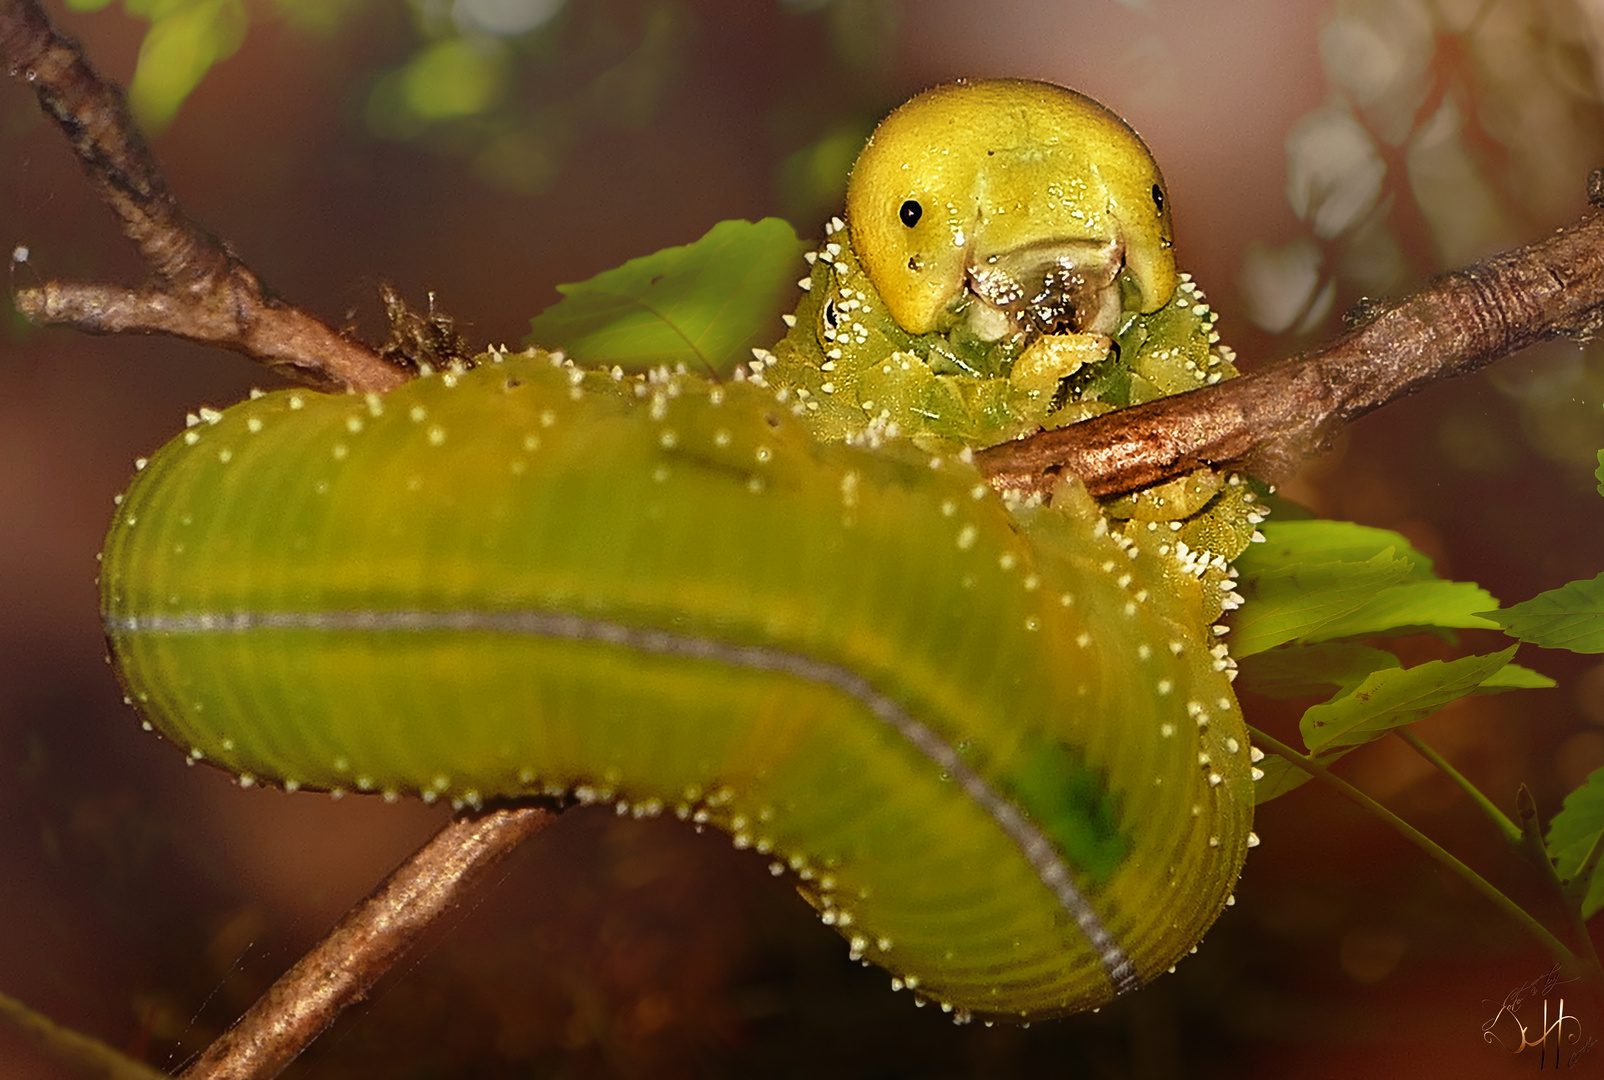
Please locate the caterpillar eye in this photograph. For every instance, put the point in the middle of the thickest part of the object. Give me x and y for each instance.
(1158, 198)
(911, 212)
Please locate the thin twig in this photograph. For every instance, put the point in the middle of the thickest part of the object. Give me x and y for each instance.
(1266, 422)
(1499, 819)
(1557, 948)
(340, 969)
(86, 1055)
(1525, 838)
(198, 288)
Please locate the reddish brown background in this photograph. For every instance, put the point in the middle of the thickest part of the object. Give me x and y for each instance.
(148, 903)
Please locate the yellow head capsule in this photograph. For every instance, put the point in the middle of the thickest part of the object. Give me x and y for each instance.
(1017, 202)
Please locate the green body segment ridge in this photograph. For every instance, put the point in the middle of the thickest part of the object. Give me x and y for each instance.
(347, 592)
(993, 742)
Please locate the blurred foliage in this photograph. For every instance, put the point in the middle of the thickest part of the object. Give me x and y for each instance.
(515, 94)
(514, 85)
(813, 178)
(188, 37)
(1452, 128)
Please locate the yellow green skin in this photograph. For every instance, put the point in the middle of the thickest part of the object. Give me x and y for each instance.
(793, 613)
(879, 347)
(860, 373)
(998, 167)
(1021, 638)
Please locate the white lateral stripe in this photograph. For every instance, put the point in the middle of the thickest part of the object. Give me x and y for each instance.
(1037, 849)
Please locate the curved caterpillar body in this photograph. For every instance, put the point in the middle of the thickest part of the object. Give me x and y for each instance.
(995, 743)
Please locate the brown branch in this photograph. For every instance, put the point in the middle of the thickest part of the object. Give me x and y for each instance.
(1266, 422)
(198, 289)
(340, 969)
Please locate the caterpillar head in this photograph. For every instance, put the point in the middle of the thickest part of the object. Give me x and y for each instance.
(1016, 205)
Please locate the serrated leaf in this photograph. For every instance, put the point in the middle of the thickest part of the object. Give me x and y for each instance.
(704, 305)
(1412, 606)
(1573, 832)
(1294, 671)
(1316, 540)
(1393, 697)
(1515, 677)
(1297, 601)
(1314, 581)
(1569, 617)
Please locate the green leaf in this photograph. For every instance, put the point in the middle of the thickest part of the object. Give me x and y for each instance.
(1393, 697)
(1295, 602)
(1515, 677)
(1413, 606)
(1313, 581)
(1569, 617)
(704, 305)
(1294, 671)
(1314, 540)
(1572, 834)
(1281, 776)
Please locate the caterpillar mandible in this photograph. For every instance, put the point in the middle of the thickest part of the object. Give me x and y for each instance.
(993, 743)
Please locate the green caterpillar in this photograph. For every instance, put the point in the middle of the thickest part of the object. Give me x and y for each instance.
(994, 742)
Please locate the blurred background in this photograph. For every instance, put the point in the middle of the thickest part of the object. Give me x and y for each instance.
(1317, 151)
